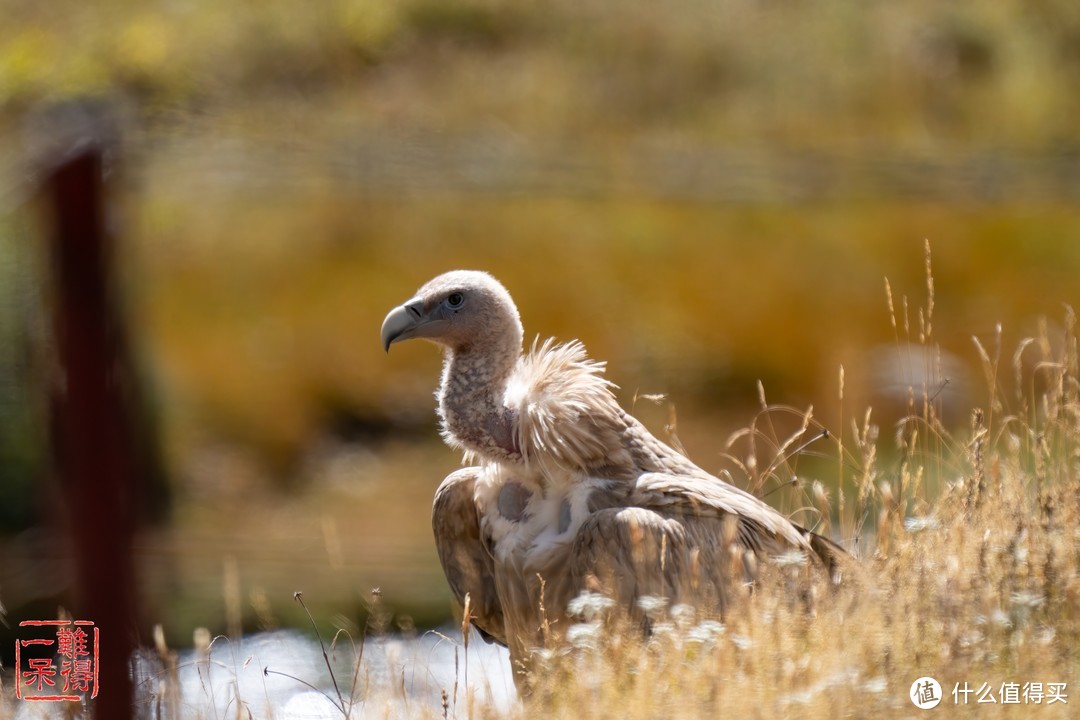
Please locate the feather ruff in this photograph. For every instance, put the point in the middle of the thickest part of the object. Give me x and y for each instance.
(566, 414)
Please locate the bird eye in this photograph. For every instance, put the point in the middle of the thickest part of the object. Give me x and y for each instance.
(455, 300)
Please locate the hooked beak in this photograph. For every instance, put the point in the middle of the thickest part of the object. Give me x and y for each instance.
(403, 322)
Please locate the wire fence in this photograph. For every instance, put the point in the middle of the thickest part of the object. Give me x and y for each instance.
(501, 163)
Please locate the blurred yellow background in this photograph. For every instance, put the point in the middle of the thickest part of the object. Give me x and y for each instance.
(705, 194)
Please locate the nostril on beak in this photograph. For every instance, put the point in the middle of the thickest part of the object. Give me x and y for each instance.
(415, 309)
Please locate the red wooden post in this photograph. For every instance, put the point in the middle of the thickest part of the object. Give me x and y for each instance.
(93, 439)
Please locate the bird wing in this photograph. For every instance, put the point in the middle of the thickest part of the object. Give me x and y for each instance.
(567, 415)
(632, 553)
(664, 526)
(683, 488)
(466, 561)
(683, 538)
(759, 527)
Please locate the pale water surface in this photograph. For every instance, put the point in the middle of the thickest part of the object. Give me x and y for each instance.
(282, 675)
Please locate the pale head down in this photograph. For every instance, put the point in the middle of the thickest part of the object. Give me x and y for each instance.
(457, 310)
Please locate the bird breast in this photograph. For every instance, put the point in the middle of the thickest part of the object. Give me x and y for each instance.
(528, 517)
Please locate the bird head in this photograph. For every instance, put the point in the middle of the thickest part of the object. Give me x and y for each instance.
(456, 309)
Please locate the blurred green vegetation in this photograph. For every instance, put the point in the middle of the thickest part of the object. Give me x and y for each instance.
(706, 194)
(21, 433)
(998, 72)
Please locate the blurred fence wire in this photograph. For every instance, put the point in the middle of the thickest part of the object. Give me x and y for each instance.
(502, 163)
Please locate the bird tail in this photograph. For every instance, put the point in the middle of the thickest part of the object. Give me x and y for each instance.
(830, 553)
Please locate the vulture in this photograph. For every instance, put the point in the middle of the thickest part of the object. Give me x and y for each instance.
(565, 492)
